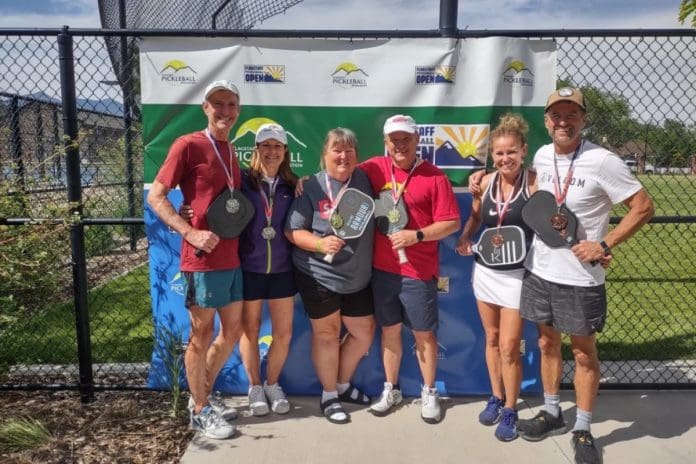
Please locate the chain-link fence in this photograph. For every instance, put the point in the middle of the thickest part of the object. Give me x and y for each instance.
(641, 96)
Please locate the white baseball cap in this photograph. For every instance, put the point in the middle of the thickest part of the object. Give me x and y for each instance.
(220, 85)
(400, 123)
(271, 131)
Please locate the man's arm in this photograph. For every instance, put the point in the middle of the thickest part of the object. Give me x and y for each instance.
(640, 211)
(160, 204)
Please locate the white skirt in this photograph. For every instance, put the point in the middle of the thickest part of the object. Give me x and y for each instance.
(500, 288)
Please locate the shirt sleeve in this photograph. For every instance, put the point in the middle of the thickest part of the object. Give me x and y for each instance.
(300, 214)
(445, 206)
(617, 180)
(172, 170)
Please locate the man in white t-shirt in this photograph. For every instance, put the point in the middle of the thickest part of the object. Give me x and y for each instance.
(563, 292)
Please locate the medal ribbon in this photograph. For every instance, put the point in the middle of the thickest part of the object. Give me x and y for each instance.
(561, 196)
(228, 171)
(268, 202)
(332, 200)
(501, 205)
(396, 193)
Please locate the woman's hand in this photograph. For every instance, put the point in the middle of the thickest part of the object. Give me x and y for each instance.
(464, 246)
(186, 212)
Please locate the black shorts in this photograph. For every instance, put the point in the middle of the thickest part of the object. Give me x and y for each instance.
(567, 308)
(320, 302)
(268, 286)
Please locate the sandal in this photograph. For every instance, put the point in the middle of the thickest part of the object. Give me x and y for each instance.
(331, 408)
(354, 396)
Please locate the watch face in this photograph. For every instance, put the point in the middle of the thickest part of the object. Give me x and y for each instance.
(420, 235)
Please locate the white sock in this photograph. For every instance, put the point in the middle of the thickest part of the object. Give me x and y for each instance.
(342, 387)
(325, 396)
(552, 404)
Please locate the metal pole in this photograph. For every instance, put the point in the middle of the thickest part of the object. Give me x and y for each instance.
(77, 235)
(127, 86)
(448, 18)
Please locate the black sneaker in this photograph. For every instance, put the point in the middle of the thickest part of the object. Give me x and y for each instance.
(541, 426)
(585, 451)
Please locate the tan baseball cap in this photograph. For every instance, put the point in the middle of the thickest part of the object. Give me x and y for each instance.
(566, 94)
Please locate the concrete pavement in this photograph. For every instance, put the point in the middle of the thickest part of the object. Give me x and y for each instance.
(633, 427)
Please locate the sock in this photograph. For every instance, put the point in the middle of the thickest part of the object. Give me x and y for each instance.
(342, 387)
(582, 420)
(328, 395)
(552, 404)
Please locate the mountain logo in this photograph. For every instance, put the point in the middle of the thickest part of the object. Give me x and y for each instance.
(461, 146)
(349, 74)
(435, 74)
(177, 72)
(517, 73)
(264, 74)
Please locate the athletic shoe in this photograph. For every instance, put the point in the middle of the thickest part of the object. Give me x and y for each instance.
(491, 414)
(218, 404)
(389, 399)
(507, 429)
(585, 451)
(257, 401)
(430, 405)
(541, 426)
(276, 395)
(212, 425)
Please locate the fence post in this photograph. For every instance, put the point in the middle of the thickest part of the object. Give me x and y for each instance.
(77, 235)
(16, 142)
(448, 18)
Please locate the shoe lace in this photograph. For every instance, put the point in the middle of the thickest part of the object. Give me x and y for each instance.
(210, 418)
(257, 395)
(275, 392)
(509, 419)
(493, 404)
(429, 398)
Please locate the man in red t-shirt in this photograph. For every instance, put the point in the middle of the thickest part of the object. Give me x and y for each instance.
(407, 293)
(203, 164)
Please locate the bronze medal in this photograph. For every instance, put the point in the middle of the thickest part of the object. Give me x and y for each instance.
(268, 233)
(336, 220)
(497, 240)
(232, 206)
(393, 216)
(559, 222)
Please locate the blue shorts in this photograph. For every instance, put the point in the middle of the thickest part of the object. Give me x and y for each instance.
(268, 286)
(213, 289)
(400, 299)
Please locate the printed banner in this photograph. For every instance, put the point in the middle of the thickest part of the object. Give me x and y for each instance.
(454, 89)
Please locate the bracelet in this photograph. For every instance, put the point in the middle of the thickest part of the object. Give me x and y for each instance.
(318, 247)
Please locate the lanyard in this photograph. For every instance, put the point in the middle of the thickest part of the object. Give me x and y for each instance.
(561, 195)
(332, 200)
(501, 205)
(228, 171)
(396, 193)
(268, 200)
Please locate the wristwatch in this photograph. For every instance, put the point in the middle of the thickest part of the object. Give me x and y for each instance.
(605, 247)
(420, 235)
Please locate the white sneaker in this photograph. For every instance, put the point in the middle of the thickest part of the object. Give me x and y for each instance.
(277, 398)
(212, 425)
(257, 401)
(218, 404)
(389, 398)
(430, 405)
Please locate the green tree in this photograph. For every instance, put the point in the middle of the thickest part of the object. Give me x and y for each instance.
(686, 9)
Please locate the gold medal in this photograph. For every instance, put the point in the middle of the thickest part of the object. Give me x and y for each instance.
(497, 240)
(336, 220)
(393, 216)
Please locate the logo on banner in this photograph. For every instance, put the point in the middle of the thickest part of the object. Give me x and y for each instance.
(244, 142)
(176, 285)
(441, 350)
(518, 74)
(264, 345)
(435, 74)
(348, 74)
(454, 146)
(176, 72)
(264, 74)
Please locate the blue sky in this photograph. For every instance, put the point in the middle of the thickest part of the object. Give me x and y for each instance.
(394, 14)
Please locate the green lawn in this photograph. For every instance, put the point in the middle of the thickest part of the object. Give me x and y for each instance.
(120, 323)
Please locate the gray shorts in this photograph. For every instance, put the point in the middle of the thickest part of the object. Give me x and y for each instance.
(569, 309)
(400, 299)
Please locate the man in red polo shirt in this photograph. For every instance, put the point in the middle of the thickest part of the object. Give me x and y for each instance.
(203, 164)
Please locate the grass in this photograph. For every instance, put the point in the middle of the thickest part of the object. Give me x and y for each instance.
(18, 434)
(120, 324)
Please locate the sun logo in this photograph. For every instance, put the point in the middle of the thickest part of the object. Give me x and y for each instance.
(447, 73)
(266, 340)
(176, 66)
(348, 68)
(469, 141)
(276, 72)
